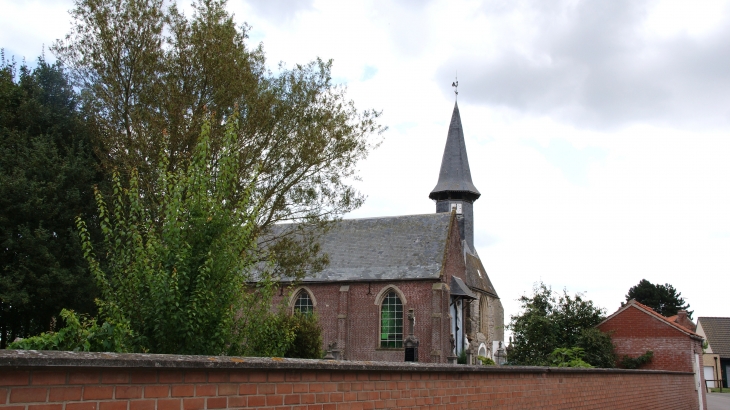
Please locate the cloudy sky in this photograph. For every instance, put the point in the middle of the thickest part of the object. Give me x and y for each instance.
(597, 132)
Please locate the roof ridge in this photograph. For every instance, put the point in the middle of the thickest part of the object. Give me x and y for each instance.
(369, 217)
(660, 316)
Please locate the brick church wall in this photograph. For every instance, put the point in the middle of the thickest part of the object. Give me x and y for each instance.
(87, 381)
(350, 316)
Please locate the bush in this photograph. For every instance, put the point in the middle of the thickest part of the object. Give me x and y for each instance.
(597, 347)
(486, 361)
(462, 358)
(268, 335)
(278, 334)
(81, 334)
(635, 363)
(549, 321)
(307, 343)
(568, 357)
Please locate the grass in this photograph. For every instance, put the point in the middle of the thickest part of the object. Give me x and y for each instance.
(717, 390)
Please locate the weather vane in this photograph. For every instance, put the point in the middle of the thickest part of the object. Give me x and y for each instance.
(455, 84)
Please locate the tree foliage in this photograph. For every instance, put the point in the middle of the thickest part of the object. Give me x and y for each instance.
(307, 343)
(149, 78)
(549, 322)
(280, 334)
(47, 169)
(568, 357)
(152, 76)
(80, 334)
(176, 277)
(664, 299)
(485, 361)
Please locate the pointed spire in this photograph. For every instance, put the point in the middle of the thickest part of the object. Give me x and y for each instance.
(455, 176)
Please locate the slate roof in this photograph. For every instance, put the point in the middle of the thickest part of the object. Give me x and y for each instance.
(459, 288)
(717, 331)
(476, 275)
(455, 174)
(388, 248)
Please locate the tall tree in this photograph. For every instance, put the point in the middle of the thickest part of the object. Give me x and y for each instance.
(177, 277)
(549, 322)
(664, 299)
(152, 75)
(47, 169)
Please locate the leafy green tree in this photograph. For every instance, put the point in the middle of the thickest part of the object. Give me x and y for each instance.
(664, 299)
(47, 169)
(549, 322)
(178, 277)
(152, 76)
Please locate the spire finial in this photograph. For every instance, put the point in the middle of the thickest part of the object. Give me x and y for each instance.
(455, 84)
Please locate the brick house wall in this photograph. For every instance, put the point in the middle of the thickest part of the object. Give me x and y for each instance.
(349, 312)
(636, 329)
(634, 332)
(89, 381)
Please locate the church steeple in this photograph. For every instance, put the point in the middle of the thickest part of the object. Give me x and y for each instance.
(455, 188)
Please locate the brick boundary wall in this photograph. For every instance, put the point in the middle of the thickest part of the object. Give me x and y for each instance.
(35, 380)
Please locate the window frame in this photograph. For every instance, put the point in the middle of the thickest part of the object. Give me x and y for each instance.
(295, 297)
(380, 300)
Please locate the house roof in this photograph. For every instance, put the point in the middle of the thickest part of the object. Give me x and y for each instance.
(649, 311)
(455, 175)
(389, 248)
(717, 332)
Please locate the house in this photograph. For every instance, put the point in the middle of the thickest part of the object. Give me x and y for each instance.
(716, 360)
(387, 274)
(636, 328)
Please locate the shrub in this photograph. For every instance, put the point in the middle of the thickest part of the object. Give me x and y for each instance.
(80, 334)
(307, 343)
(635, 363)
(486, 361)
(568, 357)
(462, 357)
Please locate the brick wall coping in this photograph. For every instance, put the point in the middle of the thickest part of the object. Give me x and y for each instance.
(47, 358)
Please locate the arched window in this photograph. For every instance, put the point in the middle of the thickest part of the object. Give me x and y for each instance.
(303, 302)
(391, 321)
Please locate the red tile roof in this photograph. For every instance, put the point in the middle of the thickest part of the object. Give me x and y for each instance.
(647, 309)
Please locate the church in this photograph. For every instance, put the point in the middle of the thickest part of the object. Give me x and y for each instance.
(408, 288)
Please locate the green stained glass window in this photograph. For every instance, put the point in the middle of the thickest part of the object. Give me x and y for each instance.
(391, 321)
(304, 302)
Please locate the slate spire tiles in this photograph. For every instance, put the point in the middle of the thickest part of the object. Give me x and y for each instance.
(455, 175)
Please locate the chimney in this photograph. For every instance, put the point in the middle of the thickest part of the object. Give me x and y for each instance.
(683, 320)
